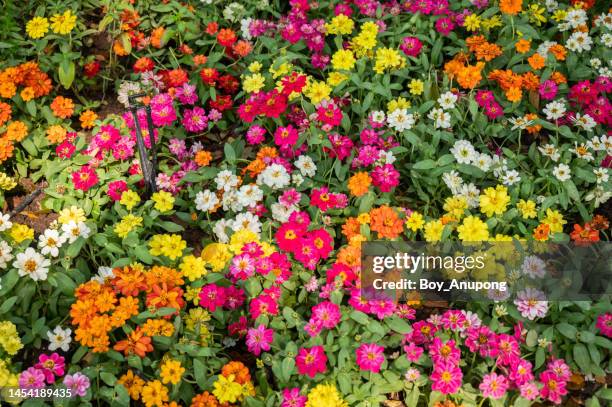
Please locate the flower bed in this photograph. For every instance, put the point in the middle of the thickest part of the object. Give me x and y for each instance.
(186, 188)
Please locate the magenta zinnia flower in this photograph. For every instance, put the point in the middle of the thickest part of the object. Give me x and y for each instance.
(311, 361)
(259, 339)
(493, 385)
(292, 398)
(604, 323)
(370, 357)
(446, 378)
(51, 366)
(195, 120)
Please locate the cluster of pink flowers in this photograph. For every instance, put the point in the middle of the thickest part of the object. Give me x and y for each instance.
(325, 200)
(269, 104)
(213, 296)
(308, 247)
(162, 110)
(512, 370)
(372, 151)
(486, 100)
(45, 371)
(324, 315)
(592, 98)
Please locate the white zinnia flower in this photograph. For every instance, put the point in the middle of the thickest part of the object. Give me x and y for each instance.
(50, 242)
(5, 254)
(59, 338)
(33, 264)
(463, 151)
(562, 172)
(206, 200)
(306, 166)
(400, 120)
(5, 222)
(72, 231)
(275, 176)
(447, 100)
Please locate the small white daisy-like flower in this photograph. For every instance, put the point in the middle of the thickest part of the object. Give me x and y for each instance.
(59, 339)
(562, 172)
(206, 200)
(447, 100)
(400, 120)
(550, 151)
(32, 264)
(463, 151)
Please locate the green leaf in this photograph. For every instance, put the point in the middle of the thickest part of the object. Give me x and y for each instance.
(287, 368)
(581, 357)
(360, 317)
(66, 72)
(8, 304)
(424, 165)
(108, 378)
(199, 371)
(567, 330)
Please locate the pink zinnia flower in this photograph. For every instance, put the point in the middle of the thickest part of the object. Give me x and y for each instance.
(531, 303)
(382, 308)
(554, 387)
(385, 177)
(263, 305)
(529, 391)
(311, 361)
(493, 385)
(560, 368)
(51, 366)
(212, 296)
(520, 371)
(116, 188)
(548, 89)
(446, 378)
(604, 324)
(327, 313)
(370, 356)
(413, 352)
(32, 378)
(482, 340)
(508, 349)
(453, 320)
(78, 383)
(411, 46)
(242, 267)
(195, 120)
(292, 398)
(444, 352)
(186, 94)
(286, 136)
(163, 114)
(256, 135)
(259, 339)
(84, 178)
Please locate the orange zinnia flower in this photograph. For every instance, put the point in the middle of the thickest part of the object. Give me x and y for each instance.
(87, 118)
(199, 59)
(469, 76)
(385, 221)
(522, 46)
(514, 94)
(239, 370)
(536, 61)
(359, 183)
(541, 232)
(558, 51)
(129, 281)
(203, 157)
(156, 37)
(512, 7)
(582, 235)
(351, 228)
(62, 107)
(488, 51)
(242, 48)
(16, 131)
(27, 94)
(5, 113)
(204, 400)
(475, 41)
(136, 343)
(56, 134)
(6, 149)
(350, 256)
(558, 77)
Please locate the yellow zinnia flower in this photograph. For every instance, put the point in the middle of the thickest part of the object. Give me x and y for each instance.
(63, 23)
(37, 27)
